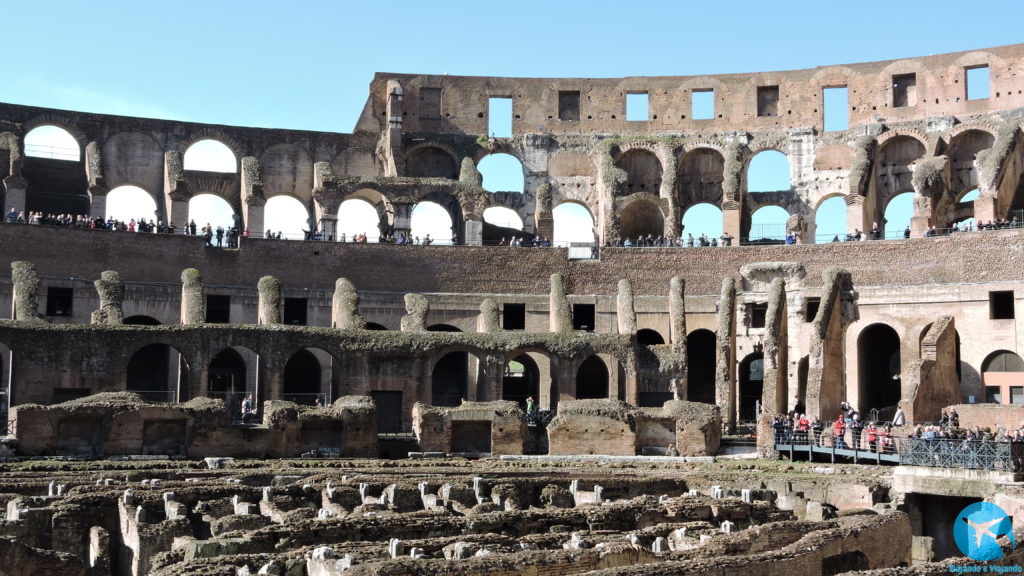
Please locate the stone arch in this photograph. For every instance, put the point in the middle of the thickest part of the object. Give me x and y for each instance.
(769, 170)
(288, 214)
(701, 355)
(502, 172)
(751, 386)
(287, 169)
(570, 224)
(830, 218)
(211, 133)
(213, 208)
(134, 159)
(303, 378)
(702, 219)
(68, 124)
(233, 373)
(376, 326)
(127, 202)
(1002, 361)
(431, 161)
(520, 382)
(643, 171)
(158, 372)
(649, 337)
(193, 156)
(352, 224)
(894, 165)
(879, 367)
(450, 203)
(592, 379)
(700, 174)
(962, 151)
(450, 378)
(356, 162)
(641, 216)
(767, 225)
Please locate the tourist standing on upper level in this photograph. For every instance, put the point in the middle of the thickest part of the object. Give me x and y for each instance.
(899, 419)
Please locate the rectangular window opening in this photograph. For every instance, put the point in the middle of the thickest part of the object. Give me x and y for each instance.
(583, 316)
(702, 105)
(811, 309)
(977, 80)
(569, 105)
(767, 100)
(218, 309)
(1016, 394)
(295, 311)
(758, 314)
(904, 90)
(430, 102)
(59, 301)
(499, 117)
(993, 395)
(513, 316)
(637, 107)
(1001, 305)
(837, 108)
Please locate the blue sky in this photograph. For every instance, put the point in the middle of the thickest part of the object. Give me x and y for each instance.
(307, 65)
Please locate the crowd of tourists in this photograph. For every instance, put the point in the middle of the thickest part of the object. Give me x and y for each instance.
(652, 241)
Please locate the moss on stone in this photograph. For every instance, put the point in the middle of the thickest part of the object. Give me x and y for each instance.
(469, 174)
(624, 309)
(929, 178)
(269, 300)
(677, 312)
(861, 167)
(490, 316)
(724, 344)
(990, 161)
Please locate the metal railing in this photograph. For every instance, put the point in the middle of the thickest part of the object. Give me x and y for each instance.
(308, 399)
(583, 251)
(53, 152)
(157, 395)
(953, 453)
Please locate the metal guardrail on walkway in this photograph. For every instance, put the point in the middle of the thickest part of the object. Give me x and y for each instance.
(933, 452)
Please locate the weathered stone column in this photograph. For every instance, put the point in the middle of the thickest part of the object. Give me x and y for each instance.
(97, 185)
(110, 288)
(545, 219)
(176, 193)
(559, 311)
(416, 307)
(776, 348)
(270, 300)
(26, 288)
(489, 320)
(403, 218)
(725, 356)
(855, 214)
(625, 312)
(473, 232)
(252, 197)
(929, 180)
(677, 336)
(193, 300)
(345, 306)
(826, 368)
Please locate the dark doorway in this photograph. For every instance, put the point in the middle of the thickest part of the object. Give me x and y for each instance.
(389, 411)
(156, 372)
(592, 379)
(521, 380)
(648, 337)
(751, 385)
(227, 381)
(700, 356)
(878, 361)
(846, 562)
(140, 320)
(302, 379)
(450, 379)
(472, 437)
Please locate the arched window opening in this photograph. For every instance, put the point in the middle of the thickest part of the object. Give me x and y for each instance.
(210, 156)
(227, 375)
(431, 162)
(431, 219)
(751, 385)
(898, 213)
(641, 219)
(700, 352)
(830, 221)
(1003, 361)
(702, 221)
(52, 142)
(358, 217)
(592, 379)
(969, 222)
(302, 379)
(573, 223)
(768, 225)
(503, 217)
(157, 372)
(878, 361)
(768, 172)
(140, 320)
(521, 380)
(648, 337)
(287, 216)
(450, 379)
(127, 203)
(502, 173)
(643, 171)
(210, 209)
(1002, 378)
